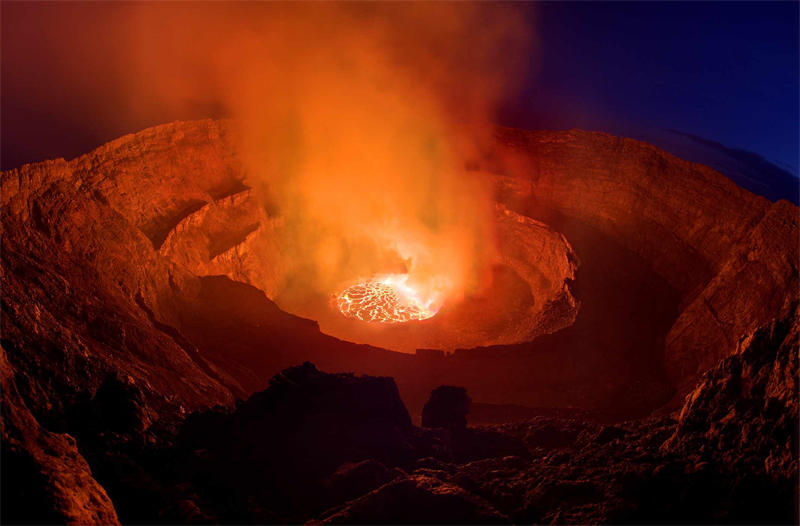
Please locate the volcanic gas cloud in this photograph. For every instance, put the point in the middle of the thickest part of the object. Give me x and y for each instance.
(355, 122)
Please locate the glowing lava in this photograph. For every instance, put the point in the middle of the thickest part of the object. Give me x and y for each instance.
(385, 300)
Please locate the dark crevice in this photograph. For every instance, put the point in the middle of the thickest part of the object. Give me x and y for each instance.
(158, 228)
(228, 188)
(223, 243)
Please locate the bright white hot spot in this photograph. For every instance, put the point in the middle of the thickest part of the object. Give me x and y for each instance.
(384, 299)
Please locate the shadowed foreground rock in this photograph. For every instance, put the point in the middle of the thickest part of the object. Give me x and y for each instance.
(53, 483)
(418, 499)
(447, 407)
(747, 406)
(313, 440)
(340, 448)
(544, 470)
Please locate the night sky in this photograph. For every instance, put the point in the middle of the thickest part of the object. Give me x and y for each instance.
(723, 71)
(726, 72)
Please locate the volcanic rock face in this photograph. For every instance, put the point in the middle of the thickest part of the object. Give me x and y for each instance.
(625, 274)
(49, 473)
(747, 405)
(730, 255)
(82, 281)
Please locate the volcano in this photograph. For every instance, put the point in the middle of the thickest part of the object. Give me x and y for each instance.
(638, 308)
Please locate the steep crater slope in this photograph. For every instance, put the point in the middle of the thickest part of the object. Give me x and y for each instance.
(729, 256)
(669, 252)
(528, 293)
(204, 218)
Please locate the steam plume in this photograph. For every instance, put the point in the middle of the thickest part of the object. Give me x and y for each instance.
(355, 122)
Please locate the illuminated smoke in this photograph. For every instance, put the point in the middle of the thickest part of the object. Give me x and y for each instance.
(354, 120)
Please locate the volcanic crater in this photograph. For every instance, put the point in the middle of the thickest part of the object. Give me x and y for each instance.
(596, 250)
(145, 281)
(228, 232)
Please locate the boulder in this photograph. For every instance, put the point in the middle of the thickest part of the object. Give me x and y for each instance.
(447, 407)
(310, 437)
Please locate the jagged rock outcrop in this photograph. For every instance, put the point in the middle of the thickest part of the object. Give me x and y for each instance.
(51, 483)
(85, 288)
(748, 406)
(278, 447)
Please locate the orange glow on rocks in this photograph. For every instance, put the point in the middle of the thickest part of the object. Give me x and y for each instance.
(385, 300)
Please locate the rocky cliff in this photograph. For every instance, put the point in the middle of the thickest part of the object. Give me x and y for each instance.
(138, 285)
(730, 256)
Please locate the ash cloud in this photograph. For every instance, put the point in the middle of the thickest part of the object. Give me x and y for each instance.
(355, 121)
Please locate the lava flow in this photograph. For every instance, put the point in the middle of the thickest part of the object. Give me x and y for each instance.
(385, 300)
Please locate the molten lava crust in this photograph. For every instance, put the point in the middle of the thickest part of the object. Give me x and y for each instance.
(379, 301)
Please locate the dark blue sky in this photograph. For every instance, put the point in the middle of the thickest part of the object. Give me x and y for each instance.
(725, 71)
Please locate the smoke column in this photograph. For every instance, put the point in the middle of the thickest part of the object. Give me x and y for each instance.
(355, 120)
